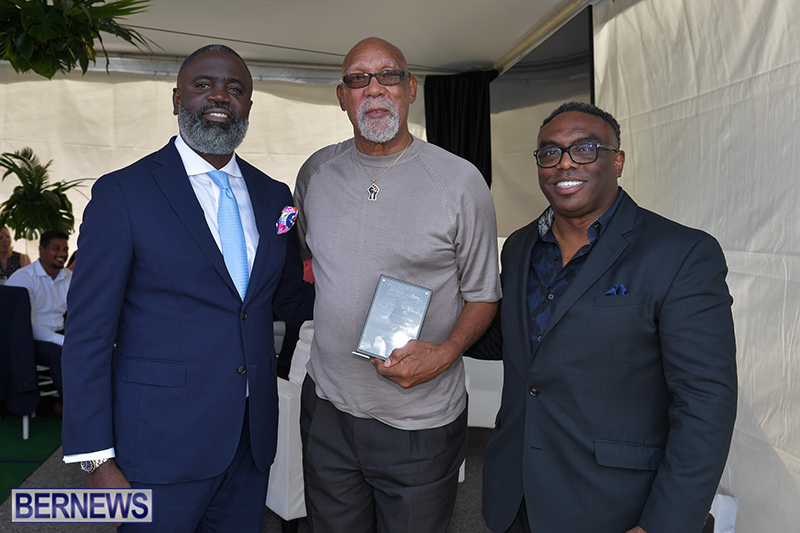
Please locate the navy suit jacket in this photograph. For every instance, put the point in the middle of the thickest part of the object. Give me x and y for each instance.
(624, 413)
(157, 336)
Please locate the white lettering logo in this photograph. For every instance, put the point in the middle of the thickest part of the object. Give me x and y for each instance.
(81, 505)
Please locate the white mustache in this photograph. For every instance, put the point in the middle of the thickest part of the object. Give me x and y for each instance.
(373, 105)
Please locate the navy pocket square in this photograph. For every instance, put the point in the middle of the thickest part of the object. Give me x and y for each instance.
(617, 290)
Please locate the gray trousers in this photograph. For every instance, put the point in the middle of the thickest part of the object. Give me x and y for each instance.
(362, 476)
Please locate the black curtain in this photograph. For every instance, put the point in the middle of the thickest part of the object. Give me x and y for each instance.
(457, 116)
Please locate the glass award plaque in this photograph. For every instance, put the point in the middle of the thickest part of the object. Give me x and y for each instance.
(395, 317)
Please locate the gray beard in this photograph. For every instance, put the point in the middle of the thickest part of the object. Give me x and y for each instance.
(381, 130)
(213, 138)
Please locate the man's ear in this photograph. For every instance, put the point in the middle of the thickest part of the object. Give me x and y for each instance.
(619, 162)
(340, 96)
(412, 90)
(176, 100)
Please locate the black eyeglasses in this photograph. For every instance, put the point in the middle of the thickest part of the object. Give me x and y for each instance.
(580, 153)
(359, 80)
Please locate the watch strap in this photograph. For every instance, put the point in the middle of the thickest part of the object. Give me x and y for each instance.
(91, 466)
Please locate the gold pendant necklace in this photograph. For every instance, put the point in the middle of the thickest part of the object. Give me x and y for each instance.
(373, 189)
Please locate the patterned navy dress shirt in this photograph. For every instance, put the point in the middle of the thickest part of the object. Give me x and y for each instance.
(548, 278)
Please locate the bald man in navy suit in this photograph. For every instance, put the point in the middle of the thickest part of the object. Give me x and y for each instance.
(169, 364)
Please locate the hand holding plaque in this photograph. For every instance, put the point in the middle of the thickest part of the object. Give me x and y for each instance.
(395, 317)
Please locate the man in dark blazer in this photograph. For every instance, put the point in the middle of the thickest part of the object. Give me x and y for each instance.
(619, 393)
(169, 364)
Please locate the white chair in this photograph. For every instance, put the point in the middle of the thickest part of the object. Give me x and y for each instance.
(485, 391)
(278, 333)
(462, 470)
(486, 384)
(285, 494)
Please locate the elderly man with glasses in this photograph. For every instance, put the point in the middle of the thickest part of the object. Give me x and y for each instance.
(383, 439)
(619, 392)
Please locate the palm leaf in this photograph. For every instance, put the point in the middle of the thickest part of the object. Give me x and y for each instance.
(35, 205)
(58, 36)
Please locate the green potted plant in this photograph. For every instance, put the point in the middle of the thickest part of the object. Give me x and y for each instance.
(35, 205)
(48, 36)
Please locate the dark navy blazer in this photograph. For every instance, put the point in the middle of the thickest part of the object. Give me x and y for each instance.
(624, 413)
(159, 346)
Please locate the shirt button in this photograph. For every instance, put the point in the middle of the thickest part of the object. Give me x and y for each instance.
(534, 391)
(550, 296)
(241, 369)
(244, 315)
(539, 338)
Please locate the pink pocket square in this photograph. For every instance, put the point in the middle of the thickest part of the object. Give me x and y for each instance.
(286, 220)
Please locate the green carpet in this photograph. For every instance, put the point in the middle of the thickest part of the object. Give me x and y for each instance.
(19, 458)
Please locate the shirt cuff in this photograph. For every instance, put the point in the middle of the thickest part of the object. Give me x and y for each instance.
(108, 453)
(45, 334)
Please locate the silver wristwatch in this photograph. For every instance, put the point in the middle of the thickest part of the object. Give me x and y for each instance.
(91, 466)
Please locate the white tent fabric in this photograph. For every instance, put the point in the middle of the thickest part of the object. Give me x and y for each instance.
(93, 124)
(706, 94)
(515, 183)
(557, 71)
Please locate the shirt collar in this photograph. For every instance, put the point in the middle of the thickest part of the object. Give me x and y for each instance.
(595, 229)
(39, 270)
(196, 165)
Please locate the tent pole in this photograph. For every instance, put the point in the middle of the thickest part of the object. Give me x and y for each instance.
(538, 35)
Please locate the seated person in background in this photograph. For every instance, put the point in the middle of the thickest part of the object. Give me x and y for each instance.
(10, 261)
(47, 282)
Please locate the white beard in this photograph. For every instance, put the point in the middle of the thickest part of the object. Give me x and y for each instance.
(378, 130)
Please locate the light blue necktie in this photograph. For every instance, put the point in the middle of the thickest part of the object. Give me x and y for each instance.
(231, 233)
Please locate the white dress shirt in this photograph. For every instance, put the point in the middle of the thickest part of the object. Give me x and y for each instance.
(207, 193)
(48, 299)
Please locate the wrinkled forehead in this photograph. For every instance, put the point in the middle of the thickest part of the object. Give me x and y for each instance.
(372, 65)
(372, 55)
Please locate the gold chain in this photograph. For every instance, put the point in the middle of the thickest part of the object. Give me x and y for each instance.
(373, 189)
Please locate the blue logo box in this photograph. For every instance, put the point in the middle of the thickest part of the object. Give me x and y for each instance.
(81, 505)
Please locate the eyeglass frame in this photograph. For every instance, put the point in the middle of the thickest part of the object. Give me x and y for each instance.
(403, 75)
(567, 150)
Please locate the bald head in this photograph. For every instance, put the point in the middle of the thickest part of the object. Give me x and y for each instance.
(378, 112)
(371, 46)
(212, 48)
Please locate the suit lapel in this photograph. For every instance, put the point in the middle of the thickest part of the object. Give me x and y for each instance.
(605, 252)
(170, 176)
(262, 212)
(523, 271)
